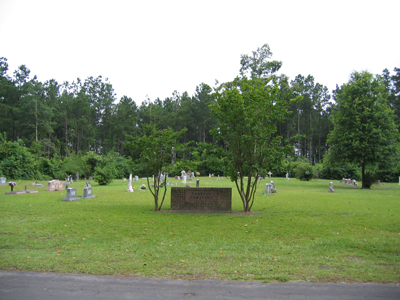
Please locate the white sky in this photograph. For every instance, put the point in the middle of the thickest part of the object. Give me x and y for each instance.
(155, 47)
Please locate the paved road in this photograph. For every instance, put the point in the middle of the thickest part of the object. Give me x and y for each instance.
(43, 286)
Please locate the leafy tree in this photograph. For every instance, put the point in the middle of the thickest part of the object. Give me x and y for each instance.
(364, 129)
(248, 110)
(154, 151)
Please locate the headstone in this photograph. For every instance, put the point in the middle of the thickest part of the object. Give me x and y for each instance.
(161, 177)
(3, 180)
(130, 189)
(55, 185)
(90, 178)
(209, 175)
(267, 188)
(71, 195)
(123, 179)
(136, 178)
(187, 199)
(77, 176)
(88, 192)
(331, 190)
(287, 176)
(270, 173)
(197, 183)
(184, 179)
(88, 184)
(273, 189)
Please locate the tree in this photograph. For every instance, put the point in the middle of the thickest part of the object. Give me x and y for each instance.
(154, 152)
(364, 129)
(248, 111)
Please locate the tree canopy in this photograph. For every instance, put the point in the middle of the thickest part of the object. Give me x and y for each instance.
(364, 129)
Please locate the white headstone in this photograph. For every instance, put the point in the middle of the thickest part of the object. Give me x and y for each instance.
(268, 188)
(331, 190)
(136, 178)
(287, 176)
(184, 179)
(3, 180)
(130, 189)
(273, 189)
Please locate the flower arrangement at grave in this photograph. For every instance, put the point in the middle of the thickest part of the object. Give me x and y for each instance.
(12, 184)
(142, 187)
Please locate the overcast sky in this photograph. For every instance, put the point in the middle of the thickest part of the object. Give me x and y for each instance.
(155, 47)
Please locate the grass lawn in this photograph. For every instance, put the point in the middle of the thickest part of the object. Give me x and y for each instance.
(301, 233)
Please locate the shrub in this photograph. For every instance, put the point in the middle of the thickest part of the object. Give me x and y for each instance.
(103, 175)
(304, 171)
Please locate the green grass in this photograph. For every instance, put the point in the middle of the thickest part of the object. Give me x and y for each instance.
(301, 233)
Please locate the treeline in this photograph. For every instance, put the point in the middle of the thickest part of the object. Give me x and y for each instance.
(57, 120)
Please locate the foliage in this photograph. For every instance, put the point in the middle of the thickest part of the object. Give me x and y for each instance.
(364, 132)
(247, 112)
(103, 175)
(16, 161)
(105, 169)
(304, 171)
(154, 150)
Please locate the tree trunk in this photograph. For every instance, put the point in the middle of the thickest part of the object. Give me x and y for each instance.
(362, 175)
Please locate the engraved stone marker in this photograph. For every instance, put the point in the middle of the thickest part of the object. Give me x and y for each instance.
(55, 185)
(87, 192)
(71, 195)
(201, 199)
(3, 180)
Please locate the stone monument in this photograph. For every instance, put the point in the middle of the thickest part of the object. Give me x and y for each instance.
(130, 189)
(3, 181)
(88, 192)
(55, 185)
(187, 199)
(331, 190)
(71, 195)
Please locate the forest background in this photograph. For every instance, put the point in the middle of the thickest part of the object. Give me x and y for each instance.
(50, 130)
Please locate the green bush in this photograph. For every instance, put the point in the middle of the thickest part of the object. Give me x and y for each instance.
(16, 162)
(103, 175)
(304, 171)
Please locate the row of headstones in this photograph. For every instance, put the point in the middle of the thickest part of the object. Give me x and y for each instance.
(72, 194)
(351, 181)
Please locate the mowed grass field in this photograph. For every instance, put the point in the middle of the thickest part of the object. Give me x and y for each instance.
(301, 233)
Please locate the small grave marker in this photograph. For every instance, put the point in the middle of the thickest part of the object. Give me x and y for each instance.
(3, 180)
(71, 195)
(88, 192)
(331, 190)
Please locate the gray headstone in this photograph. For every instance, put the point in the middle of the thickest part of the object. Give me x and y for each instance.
(267, 188)
(88, 192)
(197, 183)
(3, 180)
(71, 195)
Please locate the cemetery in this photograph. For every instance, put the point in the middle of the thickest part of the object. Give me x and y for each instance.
(301, 232)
